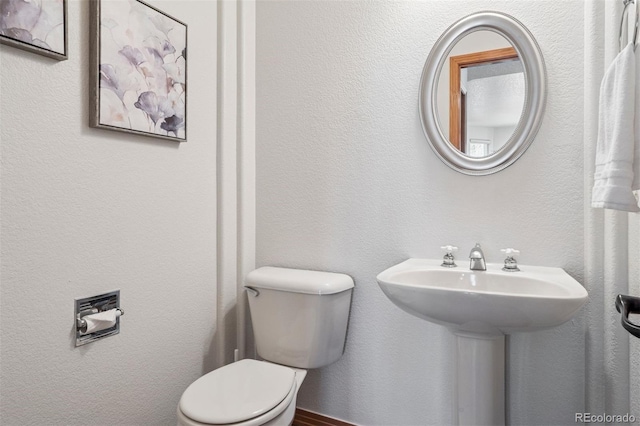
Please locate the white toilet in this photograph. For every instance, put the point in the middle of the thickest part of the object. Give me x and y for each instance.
(299, 322)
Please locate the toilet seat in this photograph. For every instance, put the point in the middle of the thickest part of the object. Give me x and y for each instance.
(246, 392)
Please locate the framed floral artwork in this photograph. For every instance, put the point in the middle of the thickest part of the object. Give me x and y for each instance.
(139, 70)
(36, 26)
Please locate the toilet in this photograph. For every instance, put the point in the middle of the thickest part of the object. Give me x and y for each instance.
(299, 320)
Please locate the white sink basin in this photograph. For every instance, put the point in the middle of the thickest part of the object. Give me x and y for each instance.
(484, 302)
(480, 307)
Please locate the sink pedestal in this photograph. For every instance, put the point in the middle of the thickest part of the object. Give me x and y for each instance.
(480, 308)
(480, 380)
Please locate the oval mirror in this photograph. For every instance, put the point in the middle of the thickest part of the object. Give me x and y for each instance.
(482, 93)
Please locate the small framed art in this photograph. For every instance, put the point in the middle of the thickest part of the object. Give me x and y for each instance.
(35, 26)
(138, 70)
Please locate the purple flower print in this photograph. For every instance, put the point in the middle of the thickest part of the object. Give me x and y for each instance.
(146, 48)
(155, 77)
(161, 23)
(19, 14)
(27, 21)
(133, 55)
(172, 124)
(115, 80)
(174, 73)
(163, 47)
(156, 107)
(24, 36)
(153, 56)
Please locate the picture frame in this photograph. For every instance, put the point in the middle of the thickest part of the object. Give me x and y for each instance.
(138, 75)
(37, 27)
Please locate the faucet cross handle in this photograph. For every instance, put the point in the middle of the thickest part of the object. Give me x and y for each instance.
(448, 261)
(510, 263)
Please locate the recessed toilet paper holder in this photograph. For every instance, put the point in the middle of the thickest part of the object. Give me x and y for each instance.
(81, 324)
(94, 305)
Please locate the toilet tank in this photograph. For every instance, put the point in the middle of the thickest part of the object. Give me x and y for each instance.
(299, 317)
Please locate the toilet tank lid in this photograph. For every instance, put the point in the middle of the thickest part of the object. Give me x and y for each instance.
(299, 280)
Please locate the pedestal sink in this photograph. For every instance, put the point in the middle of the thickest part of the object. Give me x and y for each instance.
(480, 307)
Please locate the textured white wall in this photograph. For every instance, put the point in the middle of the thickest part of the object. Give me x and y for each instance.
(86, 211)
(347, 182)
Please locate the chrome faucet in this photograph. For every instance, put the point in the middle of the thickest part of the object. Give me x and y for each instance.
(476, 259)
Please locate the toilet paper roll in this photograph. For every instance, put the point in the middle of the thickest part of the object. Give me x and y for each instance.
(100, 321)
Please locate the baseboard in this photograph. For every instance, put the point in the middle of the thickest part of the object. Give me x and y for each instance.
(308, 418)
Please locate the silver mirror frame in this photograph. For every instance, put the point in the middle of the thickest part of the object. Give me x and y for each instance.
(535, 97)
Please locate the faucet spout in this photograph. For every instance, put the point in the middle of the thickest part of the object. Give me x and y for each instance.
(476, 259)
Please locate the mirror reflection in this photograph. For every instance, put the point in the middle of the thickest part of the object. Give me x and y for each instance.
(481, 94)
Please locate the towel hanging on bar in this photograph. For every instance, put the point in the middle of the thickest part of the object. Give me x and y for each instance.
(636, 28)
(615, 168)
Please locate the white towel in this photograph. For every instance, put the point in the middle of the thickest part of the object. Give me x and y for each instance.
(614, 174)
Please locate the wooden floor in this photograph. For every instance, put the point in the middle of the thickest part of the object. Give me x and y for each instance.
(307, 418)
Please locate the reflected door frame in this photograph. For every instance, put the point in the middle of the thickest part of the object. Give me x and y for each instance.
(456, 63)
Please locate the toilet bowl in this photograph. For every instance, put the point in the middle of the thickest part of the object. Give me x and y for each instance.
(299, 322)
(245, 393)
